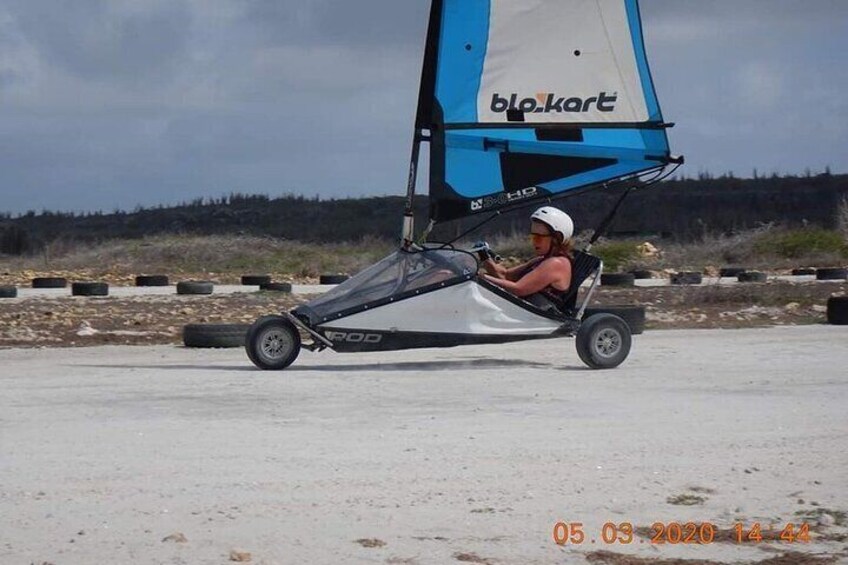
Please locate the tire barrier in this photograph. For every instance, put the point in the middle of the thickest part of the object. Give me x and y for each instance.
(276, 287)
(214, 335)
(49, 282)
(151, 280)
(617, 279)
(731, 271)
(803, 272)
(751, 276)
(89, 289)
(332, 279)
(8, 291)
(837, 310)
(831, 274)
(642, 274)
(194, 287)
(687, 277)
(255, 280)
(633, 316)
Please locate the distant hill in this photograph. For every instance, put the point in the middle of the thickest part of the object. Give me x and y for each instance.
(683, 209)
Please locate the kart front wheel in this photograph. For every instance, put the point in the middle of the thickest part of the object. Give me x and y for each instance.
(603, 341)
(272, 343)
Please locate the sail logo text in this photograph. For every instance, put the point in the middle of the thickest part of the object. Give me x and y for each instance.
(503, 198)
(548, 102)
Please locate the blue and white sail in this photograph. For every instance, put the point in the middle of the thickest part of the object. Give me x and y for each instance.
(534, 98)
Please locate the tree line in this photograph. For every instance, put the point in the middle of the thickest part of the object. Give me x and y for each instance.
(681, 208)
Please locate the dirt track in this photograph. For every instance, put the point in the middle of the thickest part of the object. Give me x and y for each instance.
(431, 456)
(132, 316)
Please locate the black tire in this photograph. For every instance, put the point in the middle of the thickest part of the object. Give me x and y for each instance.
(276, 287)
(272, 343)
(332, 279)
(731, 271)
(633, 316)
(831, 274)
(687, 277)
(752, 276)
(152, 280)
(803, 272)
(215, 335)
(49, 282)
(89, 289)
(642, 274)
(195, 287)
(837, 310)
(8, 291)
(603, 341)
(255, 280)
(617, 279)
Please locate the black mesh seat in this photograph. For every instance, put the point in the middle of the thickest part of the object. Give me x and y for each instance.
(583, 265)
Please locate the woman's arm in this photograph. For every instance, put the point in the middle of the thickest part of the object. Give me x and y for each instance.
(546, 274)
(511, 274)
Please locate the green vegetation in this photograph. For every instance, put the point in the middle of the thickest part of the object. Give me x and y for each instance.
(793, 244)
(616, 255)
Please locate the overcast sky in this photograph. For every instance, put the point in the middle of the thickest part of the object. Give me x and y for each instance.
(116, 103)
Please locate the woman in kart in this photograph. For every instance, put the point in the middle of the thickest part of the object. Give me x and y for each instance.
(546, 277)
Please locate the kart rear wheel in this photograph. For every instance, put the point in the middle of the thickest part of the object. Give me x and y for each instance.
(603, 341)
(272, 343)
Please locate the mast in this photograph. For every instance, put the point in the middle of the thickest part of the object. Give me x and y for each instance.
(408, 217)
(423, 115)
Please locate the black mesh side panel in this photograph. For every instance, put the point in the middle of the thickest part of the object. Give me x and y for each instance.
(521, 170)
(559, 134)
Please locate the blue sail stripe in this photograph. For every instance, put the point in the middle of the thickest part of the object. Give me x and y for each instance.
(460, 70)
(635, 21)
(621, 144)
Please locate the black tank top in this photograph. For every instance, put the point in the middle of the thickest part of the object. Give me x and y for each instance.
(548, 296)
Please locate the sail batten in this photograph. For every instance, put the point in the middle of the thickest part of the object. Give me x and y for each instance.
(530, 99)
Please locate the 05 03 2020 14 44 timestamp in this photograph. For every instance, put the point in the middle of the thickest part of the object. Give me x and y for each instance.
(697, 533)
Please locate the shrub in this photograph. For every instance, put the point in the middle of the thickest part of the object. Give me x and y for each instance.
(842, 217)
(798, 243)
(616, 254)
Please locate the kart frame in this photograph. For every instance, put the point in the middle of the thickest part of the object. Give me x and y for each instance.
(399, 304)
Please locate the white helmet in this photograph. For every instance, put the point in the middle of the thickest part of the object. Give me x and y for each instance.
(555, 219)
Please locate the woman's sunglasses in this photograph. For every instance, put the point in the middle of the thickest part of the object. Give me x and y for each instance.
(539, 236)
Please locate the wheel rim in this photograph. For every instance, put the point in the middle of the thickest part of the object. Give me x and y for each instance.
(275, 344)
(607, 343)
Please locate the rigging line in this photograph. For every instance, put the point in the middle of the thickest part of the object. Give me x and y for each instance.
(472, 228)
(605, 224)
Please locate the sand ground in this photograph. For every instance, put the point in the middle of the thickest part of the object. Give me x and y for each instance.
(431, 456)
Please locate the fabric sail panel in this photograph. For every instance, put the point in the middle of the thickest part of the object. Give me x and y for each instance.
(531, 99)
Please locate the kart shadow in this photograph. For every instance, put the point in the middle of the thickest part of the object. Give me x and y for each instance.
(446, 365)
(182, 367)
(467, 364)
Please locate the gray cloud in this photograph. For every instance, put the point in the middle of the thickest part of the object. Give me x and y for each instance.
(101, 39)
(112, 104)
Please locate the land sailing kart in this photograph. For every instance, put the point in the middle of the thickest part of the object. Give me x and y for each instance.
(515, 114)
(434, 297)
